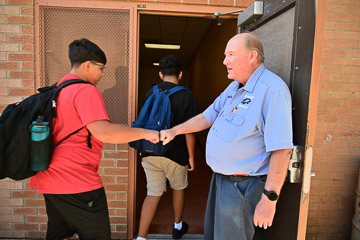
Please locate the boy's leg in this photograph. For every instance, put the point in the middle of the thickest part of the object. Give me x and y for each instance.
(178, 204)
(147, 214)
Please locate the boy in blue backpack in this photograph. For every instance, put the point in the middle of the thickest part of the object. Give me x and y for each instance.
(174, 164)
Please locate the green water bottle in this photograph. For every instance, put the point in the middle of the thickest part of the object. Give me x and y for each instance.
(40, 145)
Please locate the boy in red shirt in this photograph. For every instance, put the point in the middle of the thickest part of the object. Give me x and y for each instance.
(74, 194)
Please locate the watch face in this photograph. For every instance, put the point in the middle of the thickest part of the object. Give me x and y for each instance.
(273, 196)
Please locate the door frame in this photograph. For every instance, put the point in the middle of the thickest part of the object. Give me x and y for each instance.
(157, 9)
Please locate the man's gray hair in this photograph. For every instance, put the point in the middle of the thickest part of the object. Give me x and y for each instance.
(253, 43)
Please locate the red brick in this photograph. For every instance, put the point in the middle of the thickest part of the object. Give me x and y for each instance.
(28, 83)
(9, 28)
(116, 187)
(117, 155)
(330, 86)
(34, 202)
(349, 119)
(36, 219)
(352, 70)
(330, 25)
(115, 171)
(117, 204)
(121, 163)
(327, 119)
(27, 29)
(122, 147)
(36, 235)
(4, 210)
(4, 193)
(332, 69)
(27, 11)
(118, 220)
(122, 179)
(11, 10)
(22, 74)
(108, 179)
(20, 57)
(107, 163)
(10, 185)
(329, 102)
(338, 17)
(108, 146)
(5, 226)
(21, 38)
(337, 127)
(21, 92)
(20, 20)
(9, 47)
(340, 111)
(345, 61)
(350, 103)
(23, 194)
(12, 234)
(12, 219)
(10, 65)
(24, 211)
(27, 66)
(346, 43)
(27, 48)
(329, 34)
(354, 35)
(34, 227)
(221, 3)
(20, 2)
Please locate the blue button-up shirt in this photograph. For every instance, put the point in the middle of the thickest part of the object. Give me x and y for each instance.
(248, 123)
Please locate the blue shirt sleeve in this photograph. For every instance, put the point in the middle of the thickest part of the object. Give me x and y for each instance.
(277, 124)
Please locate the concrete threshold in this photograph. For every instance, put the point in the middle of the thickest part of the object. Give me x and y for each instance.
(168, 236)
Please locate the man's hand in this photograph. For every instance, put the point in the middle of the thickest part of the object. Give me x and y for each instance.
(152, 136)
(167, 135)
(264, 212)
(191, 164)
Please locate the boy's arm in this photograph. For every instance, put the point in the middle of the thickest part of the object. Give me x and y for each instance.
(108, 132)
(190, 143)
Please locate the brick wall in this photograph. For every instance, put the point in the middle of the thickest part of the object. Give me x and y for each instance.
(337, 140)
(21, 210)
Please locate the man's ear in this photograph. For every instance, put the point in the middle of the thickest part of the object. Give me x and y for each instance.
(253, 55)
(180, 75)
(85, 65)
(161, 76)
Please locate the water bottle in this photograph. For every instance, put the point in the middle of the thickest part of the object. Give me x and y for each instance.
(40, 145)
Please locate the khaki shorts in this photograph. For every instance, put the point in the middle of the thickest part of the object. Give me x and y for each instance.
(158, 169)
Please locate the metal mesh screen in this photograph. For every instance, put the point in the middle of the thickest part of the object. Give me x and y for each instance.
(277, 38)
(109, 29)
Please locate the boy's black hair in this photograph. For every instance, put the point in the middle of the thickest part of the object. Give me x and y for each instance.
(84, 50)
(170, 65)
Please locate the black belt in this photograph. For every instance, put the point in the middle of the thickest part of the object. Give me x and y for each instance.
(239, 178)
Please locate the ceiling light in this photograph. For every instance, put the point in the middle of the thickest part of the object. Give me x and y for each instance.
(156, 64)
(162, 46)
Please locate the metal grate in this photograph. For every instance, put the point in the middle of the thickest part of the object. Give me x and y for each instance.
(109, 29)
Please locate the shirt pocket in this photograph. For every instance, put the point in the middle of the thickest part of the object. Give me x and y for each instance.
(230, 126)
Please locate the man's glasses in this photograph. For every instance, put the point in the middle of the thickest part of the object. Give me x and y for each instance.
(102, 67)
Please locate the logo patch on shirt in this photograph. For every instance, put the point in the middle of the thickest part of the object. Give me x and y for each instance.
(246, 101)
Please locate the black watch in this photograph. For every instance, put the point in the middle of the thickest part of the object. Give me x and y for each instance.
(272, 196)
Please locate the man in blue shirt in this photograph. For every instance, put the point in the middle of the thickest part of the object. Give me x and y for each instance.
(248, 146)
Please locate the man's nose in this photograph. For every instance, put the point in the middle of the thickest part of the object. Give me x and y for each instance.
(225, 61)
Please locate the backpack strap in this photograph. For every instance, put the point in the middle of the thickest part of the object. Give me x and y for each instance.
(88, 139)
(71, 81)
(175, 89)
(65, 84)
(170, 91)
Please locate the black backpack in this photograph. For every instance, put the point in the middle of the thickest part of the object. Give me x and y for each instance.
(15, 135)
(155, 115)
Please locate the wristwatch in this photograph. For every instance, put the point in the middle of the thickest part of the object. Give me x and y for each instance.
(272, 196)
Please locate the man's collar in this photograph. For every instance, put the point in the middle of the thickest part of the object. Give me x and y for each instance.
(250, 85)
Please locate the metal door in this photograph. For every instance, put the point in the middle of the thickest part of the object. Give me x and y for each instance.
(286, 29)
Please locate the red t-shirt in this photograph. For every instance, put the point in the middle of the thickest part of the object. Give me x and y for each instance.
(74, 166)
